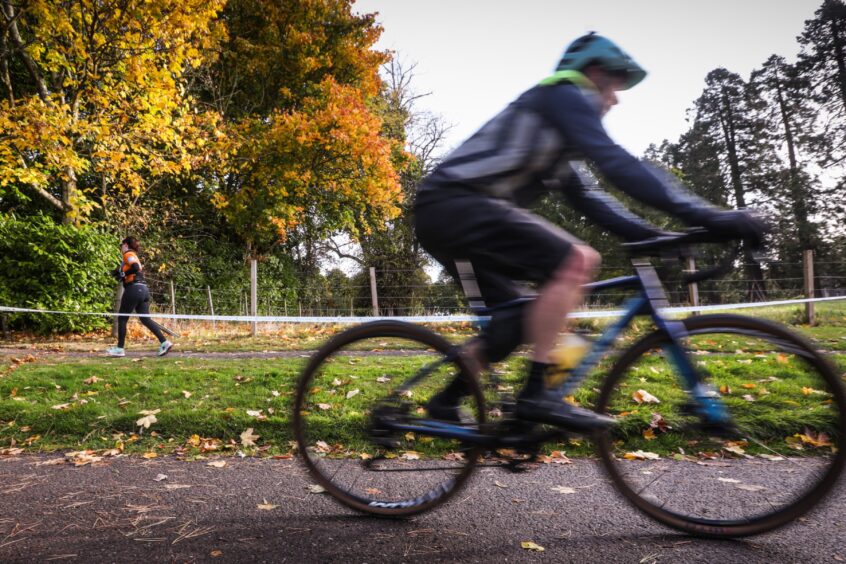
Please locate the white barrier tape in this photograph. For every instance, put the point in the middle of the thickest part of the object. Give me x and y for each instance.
(414, 318)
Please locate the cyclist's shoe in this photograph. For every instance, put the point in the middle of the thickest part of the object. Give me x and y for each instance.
(164, 348)
(548, 407)
(115, 351)
(448, 408)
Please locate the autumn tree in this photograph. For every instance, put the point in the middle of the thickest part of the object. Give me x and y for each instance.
(94, 100)
(391, 246)
(305, 158)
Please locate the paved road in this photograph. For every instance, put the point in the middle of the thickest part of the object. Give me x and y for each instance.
(117, 511)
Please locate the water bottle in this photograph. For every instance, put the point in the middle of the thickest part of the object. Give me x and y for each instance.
(565, 357)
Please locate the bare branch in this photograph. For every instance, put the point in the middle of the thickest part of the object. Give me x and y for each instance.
(11, 18)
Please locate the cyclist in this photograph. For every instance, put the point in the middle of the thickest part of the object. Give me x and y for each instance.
(136, 297)
(470, 212)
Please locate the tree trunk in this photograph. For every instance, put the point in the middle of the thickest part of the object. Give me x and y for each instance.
(835, 25)
(754, 274)
(69, 214)
(797, 194)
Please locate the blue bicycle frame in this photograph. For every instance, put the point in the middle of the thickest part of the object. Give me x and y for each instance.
(648, 300)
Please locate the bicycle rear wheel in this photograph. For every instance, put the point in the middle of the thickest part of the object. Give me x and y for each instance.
(785, 453)
(353, 389)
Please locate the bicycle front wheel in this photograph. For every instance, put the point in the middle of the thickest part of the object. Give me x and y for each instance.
(782, 454)
(354, 392)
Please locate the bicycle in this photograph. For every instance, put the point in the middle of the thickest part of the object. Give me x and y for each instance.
(751, 419)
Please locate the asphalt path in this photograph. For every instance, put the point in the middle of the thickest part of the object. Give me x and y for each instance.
(261, 510)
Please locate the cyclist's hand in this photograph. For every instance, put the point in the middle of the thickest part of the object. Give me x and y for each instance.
(740, 224)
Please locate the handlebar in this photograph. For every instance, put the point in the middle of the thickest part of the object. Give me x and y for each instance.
(682, 245)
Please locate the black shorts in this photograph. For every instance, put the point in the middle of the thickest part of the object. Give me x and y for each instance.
(504, 244)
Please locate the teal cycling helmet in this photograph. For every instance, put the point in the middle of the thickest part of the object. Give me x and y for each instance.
(593, 49)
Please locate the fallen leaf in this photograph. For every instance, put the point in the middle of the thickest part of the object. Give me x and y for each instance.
(373, 491)
(352, 393)
(324, 406)
(216, 553)
(659, 423)
(642, 396)
(149, 455)
(529, 545)
(641, 455)
(383, 379)
(748, 398)
(735, 447)
(315, 489)
(729, 480)
(748, 386)
(82, 457)
(772, 457)
(160, 477)
(248, 438)
(92, 380)
(725, 390)
(146, 421)
(409, 436)
(816, 440)
(176, 486)
(563, 490)
(61, 406)
(266, 506)
(336, 382)
(649, 434)
(500, 484)
(782, 358)
(217, 463)
(555, 457)
(749, 487)
(571, 400)
(410, 455)
(186, 393)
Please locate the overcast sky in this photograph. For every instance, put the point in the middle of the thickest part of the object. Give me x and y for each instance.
(476, 56)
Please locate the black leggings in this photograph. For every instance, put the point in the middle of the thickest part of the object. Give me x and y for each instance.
(136, 297)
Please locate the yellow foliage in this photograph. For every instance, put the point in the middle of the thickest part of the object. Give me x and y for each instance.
(119, 101)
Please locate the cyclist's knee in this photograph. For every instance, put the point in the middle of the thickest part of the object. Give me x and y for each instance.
(579, 266)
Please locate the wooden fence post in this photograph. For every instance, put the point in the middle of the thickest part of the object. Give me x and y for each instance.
(808, 273)
(173, 303)
(374, 296)
(254, 295)
(693, 287)
(211, 307)
(118, 297)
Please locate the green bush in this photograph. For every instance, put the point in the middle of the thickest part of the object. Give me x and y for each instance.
(45, 265)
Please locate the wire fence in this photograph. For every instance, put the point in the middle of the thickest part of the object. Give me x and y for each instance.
(389, 294)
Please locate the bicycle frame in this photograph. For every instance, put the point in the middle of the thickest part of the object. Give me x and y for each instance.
(648, 300)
